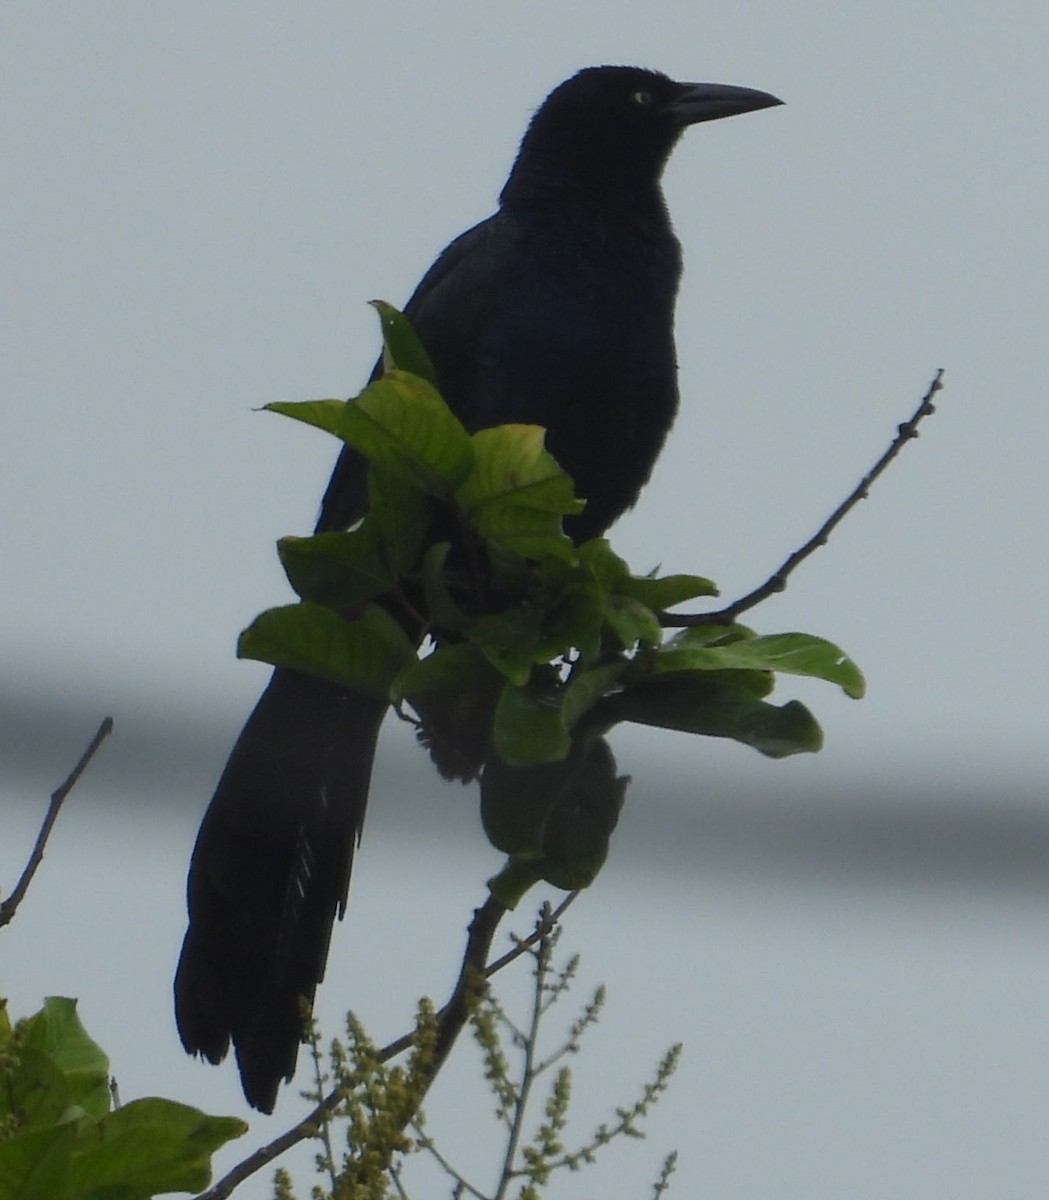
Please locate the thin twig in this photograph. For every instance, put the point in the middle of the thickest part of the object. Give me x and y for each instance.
(777, 581)
(543, 929)
(323, 1126)
(10, 906)
(529, 1073)
(462, 1185)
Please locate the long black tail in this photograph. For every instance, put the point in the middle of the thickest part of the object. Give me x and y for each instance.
(270, 870)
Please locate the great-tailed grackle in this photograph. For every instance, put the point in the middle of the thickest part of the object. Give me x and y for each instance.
(558, 311)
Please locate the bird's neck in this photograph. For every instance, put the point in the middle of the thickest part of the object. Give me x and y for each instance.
(603, 204)
(541, 180)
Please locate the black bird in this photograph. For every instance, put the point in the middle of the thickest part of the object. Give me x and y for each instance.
(558, 310)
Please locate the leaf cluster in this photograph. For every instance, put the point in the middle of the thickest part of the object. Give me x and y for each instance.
(533, 648)
(60, 1137)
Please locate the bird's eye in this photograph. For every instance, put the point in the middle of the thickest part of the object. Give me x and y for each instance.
(642, 98)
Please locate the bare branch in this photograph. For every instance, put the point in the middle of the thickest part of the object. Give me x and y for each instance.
(10, 906)
(777, 581)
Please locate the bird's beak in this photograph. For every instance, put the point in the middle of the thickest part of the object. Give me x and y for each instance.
(712, 101)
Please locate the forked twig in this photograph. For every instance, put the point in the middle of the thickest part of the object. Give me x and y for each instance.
(777, 581)
(10, 906)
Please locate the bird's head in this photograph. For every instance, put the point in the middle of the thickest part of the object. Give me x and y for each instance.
(610, 130)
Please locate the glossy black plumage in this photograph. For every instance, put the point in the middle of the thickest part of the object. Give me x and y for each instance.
(558, 310)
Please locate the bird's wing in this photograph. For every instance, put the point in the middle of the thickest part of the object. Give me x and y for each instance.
(449, 311)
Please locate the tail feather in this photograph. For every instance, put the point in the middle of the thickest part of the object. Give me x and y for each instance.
(270, 872)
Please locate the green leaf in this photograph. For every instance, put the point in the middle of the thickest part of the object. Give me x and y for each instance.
(659, 593)
(444, 612)
(515, 805)
(511, 573)
(789, 653)
(58, 1036)
(399, 517)
(693, 703)
(147, 1147)
(528, 727)
(400, 347)
(757, 683)
(528, 531)
(712, 635)
(513, 466)
(632, 622)
(628, 616)
(604, 564)
(327, 415)
(516, 493)
(461, 668)
(36, 1093)
(554, 819)
(365, 654)
(576, 620)
(509, 640)
(400, 423)
(35, 1165)
(339, 570)
(589, 686)
(344, 569)
(581, 823)
(517, 877)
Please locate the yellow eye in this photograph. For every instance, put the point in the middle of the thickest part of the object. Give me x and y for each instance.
(642, 98)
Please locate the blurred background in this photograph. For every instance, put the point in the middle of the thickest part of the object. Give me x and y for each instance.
(199, 200)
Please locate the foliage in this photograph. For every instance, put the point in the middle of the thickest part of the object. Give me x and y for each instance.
(62, 1139)
(533, 648)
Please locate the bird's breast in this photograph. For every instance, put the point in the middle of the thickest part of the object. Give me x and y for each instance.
(579, 339)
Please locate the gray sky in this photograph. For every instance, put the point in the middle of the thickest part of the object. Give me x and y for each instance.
(198, 201)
